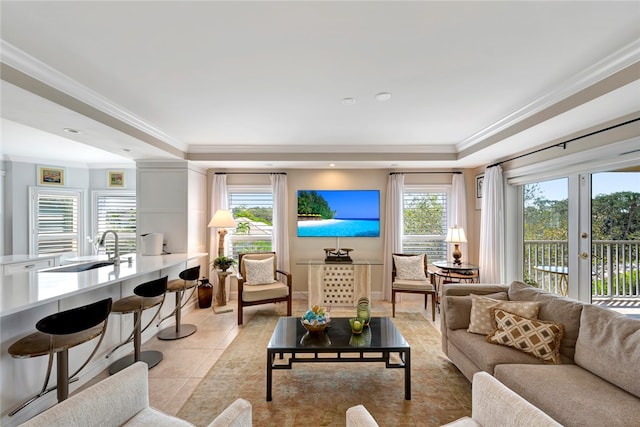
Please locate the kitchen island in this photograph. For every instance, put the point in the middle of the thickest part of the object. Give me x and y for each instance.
(26, 297)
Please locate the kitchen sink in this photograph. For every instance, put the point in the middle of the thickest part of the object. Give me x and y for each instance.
(76, 268)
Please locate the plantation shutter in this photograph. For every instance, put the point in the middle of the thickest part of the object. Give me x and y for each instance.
(56, 221)
(118, 213)
(252, 210)
(425, 223)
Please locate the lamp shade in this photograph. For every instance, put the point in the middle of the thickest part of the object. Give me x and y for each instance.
(222, 218)
(455, 234)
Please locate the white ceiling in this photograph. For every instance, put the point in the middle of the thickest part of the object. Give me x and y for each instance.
(260, 84)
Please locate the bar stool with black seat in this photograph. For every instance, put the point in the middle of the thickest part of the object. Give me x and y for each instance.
(147, 295)
(56, 334)
(188, 279)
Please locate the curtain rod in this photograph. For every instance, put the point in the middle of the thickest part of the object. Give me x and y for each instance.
(563, 144)
(427, 173)
(250, 173)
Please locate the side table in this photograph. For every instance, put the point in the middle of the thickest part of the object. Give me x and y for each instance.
(221, 296)
(449, 272)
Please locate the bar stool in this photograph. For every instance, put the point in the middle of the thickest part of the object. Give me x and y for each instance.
(147, 295)
(56, 334)
(187, 280)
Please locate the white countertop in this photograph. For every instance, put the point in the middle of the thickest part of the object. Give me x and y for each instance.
(22, 291)
(9, 259)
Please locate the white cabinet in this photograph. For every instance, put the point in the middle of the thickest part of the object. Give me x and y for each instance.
(24, 263)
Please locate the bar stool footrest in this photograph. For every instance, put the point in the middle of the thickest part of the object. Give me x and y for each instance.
(170, 333)
(151, 358)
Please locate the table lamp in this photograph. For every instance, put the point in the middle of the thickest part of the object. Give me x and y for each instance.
(222, 219)
(456, 236)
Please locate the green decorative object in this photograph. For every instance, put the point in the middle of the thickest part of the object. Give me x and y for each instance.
(223, 263)
(357, 325)
(363, 310)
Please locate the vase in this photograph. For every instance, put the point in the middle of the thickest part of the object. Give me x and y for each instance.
(205, 293)
(363, 310)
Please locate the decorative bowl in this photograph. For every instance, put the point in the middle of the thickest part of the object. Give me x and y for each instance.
(314, 328)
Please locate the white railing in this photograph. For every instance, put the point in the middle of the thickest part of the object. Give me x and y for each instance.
(615, 267)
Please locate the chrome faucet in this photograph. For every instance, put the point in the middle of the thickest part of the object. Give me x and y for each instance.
(116, 253)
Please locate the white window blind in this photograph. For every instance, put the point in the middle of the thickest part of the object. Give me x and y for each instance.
(252, 209)
(56, 221)
(425, 222)
(117, 213)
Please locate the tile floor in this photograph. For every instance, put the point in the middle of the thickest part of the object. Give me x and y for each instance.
(187, 360)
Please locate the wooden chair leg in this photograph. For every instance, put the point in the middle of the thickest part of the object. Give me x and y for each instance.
(239, 312)
(393, 303)
(433, 307)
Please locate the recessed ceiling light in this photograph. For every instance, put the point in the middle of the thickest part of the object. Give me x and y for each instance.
(332, 165)
(71, 130)
(126, 150)
(348, 101)
(383, 96)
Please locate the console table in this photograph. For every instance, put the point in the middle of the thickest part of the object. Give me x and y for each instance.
(339, 284)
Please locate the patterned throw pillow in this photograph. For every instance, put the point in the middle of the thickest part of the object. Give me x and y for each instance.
(409, 267)
(538, 338)
(481, 320)
(259, 271)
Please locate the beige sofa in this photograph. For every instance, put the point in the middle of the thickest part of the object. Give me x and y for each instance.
(598, 380)
(493, 404)
(123, 399)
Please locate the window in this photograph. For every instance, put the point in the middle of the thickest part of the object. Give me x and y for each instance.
(115, 211)
(55, 220)
(252, 209)
(425, 221)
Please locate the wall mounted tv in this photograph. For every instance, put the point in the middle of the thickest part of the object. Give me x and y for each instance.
(338, 213)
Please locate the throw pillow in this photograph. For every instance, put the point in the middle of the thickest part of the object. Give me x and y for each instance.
(481, 320)
(259, 271)
(458, 309)
(409, 267)
(538, 338)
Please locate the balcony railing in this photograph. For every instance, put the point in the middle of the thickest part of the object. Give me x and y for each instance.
(614, 267)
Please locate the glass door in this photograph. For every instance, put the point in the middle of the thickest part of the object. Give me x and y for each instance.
(615, 240)
(546, 230)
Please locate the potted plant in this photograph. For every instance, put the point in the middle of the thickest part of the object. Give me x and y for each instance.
(223, 262)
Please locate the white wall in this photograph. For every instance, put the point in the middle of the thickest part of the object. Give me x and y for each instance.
(20, 176)
(303, 248)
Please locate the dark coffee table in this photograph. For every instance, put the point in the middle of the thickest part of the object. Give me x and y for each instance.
(375, 344)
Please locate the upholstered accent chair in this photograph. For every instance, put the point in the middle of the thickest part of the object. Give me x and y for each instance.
(260, 282)
(411, 275)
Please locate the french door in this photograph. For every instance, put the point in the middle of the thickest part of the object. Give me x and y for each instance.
(581, 236)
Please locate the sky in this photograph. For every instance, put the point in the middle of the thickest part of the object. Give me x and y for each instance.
(602, 183)
(353, 204)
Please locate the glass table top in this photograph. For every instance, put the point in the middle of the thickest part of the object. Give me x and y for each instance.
(381, 334)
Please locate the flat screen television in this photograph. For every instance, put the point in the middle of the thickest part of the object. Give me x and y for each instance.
(338, 213)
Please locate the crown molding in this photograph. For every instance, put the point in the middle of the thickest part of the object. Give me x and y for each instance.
(616, 62)
(48, 75)
(322, 149)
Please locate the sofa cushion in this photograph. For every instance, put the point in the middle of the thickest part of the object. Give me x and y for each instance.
(555, 309)
(571, 395)
(481, 321)
(458, 309)
(609, 346)
(486, 356)
(538, 338)
(152, 417)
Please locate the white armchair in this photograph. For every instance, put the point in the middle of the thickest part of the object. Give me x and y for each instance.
(123, 399)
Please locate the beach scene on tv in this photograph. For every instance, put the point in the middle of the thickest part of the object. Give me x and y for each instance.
(338, 213)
